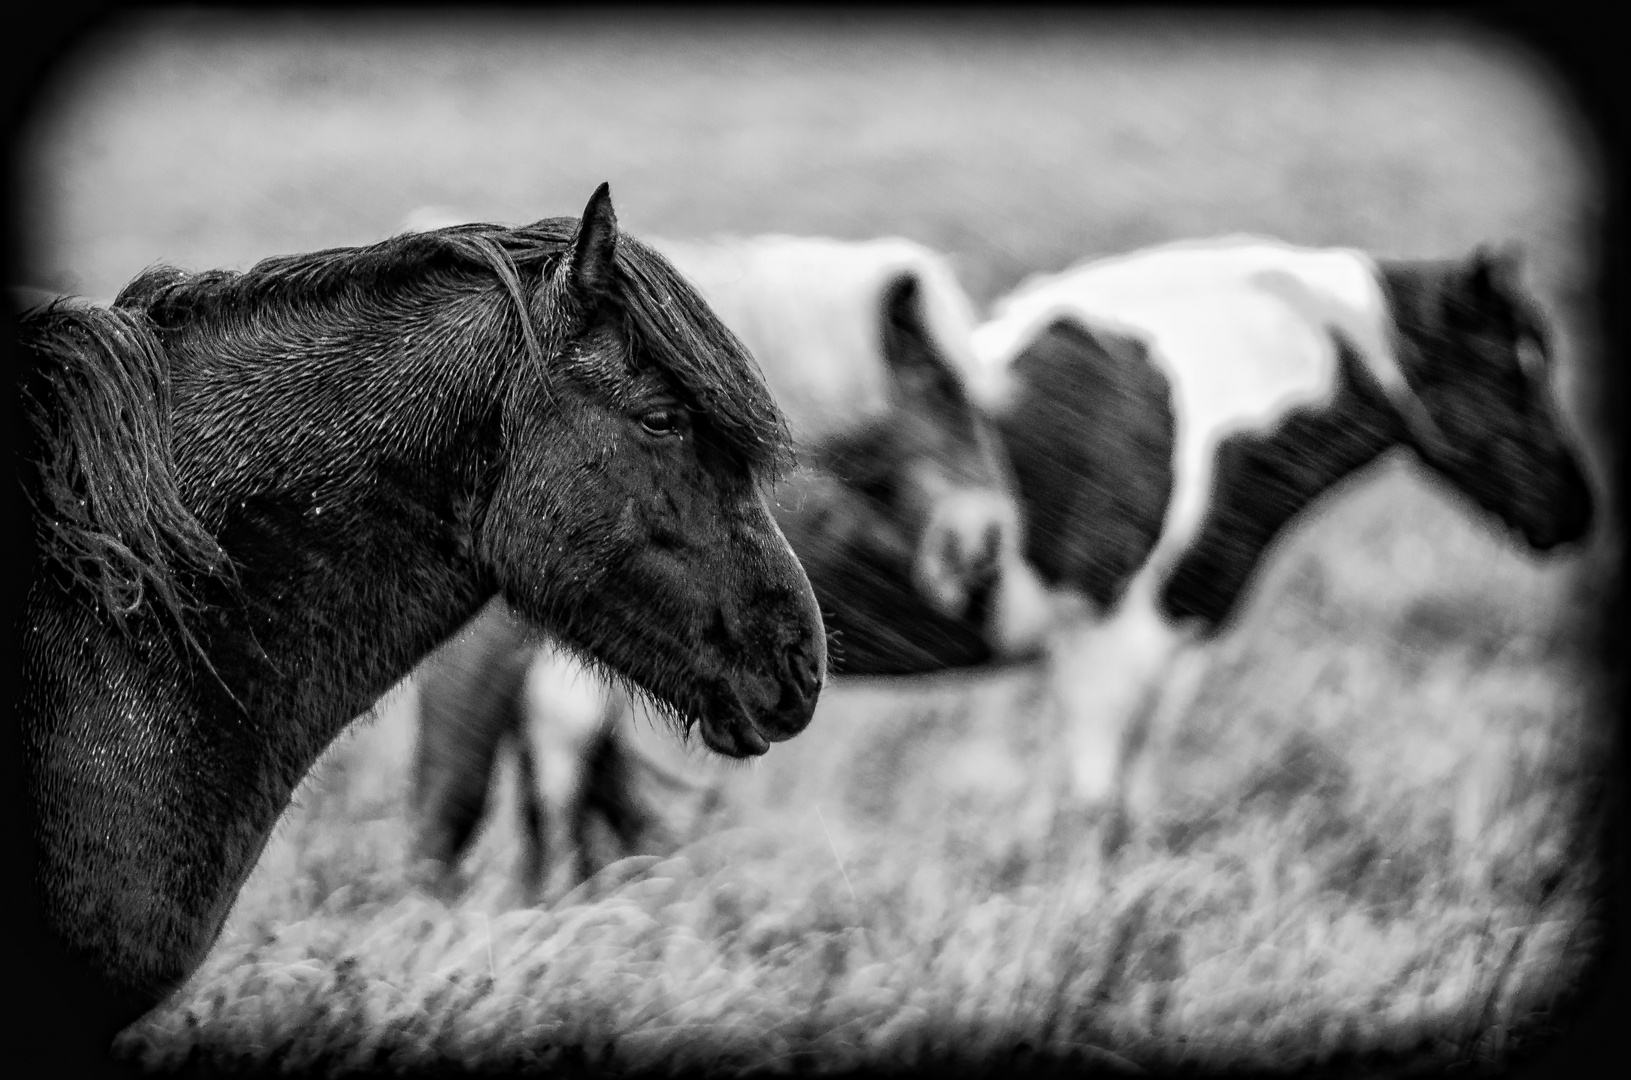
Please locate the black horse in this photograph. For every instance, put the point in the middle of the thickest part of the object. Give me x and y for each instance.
(261, 498)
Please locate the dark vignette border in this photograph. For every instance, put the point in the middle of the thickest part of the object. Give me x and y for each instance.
(1578, 44)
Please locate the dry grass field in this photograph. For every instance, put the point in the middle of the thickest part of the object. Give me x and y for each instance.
(1376, 829)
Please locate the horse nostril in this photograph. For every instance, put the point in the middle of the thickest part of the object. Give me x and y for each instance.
(803, 668)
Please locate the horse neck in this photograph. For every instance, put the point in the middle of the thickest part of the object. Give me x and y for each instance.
(340, 470)
(1261, 480)
(343, 475)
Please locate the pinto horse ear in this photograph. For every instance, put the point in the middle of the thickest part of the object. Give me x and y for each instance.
(908, 343)
(594, 248)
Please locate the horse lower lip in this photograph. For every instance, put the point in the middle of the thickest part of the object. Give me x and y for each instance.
(743, 740)
(788, 722)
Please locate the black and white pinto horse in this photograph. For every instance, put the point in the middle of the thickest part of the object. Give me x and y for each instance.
(261, 498)
(903, 516)
(1168, 412)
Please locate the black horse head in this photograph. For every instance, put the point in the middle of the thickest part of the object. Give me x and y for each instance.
(658, 508)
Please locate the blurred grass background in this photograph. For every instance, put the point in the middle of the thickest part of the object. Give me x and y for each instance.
(1377, 825)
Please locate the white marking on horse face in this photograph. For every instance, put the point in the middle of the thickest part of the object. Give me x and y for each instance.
(810, 311)
(969, 533)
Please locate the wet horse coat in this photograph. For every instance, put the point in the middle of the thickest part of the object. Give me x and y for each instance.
(1168, 412)
(260, 498)
(903, 518)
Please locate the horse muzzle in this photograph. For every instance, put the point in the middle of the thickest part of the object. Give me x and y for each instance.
(770, 708)
(963, 549)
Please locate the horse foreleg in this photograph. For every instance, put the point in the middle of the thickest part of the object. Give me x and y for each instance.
(566, 709)
(1103, 674)
(452, 770)
(1149, 749)
(532, 820)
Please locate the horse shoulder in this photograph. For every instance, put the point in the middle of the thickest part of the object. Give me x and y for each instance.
(1090, 434)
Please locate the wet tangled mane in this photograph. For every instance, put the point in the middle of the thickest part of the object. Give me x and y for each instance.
(106, 498)
(666, 320)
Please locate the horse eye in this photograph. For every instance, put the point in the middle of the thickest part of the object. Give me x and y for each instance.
(1532, 357)
(664, 420)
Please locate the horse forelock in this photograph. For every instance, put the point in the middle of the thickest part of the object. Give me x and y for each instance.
(674, 327)
(669, 324)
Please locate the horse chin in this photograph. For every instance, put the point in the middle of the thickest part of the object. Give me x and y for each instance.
(1563, 521)
(751, 711)
(1550, 537)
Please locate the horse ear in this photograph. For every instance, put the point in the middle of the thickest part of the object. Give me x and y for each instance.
(594, 248)
(908, 345)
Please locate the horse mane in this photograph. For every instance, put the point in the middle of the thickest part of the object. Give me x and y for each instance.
(665, 318)
(106, 495)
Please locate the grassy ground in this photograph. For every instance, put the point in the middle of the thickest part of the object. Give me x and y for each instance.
(1375, 827)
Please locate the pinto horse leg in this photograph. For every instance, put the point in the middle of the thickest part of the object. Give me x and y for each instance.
(532, 821)
(1149, 747)
(565, 710)
(452, 769)
(1103, 674)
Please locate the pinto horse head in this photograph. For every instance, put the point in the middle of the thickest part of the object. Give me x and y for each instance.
(1474, 348)
(865, 346)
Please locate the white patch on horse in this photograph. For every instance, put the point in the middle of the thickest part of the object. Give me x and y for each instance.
(809, 309)
(1242, 329)
(1239, 326)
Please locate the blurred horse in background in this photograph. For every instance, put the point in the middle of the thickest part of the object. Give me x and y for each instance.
(903, 516)
(864, 346)
(1170, 411)
(260, 498)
